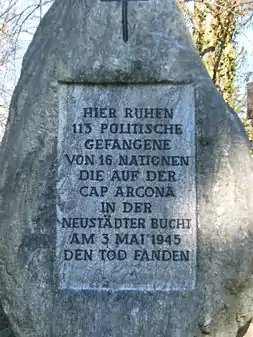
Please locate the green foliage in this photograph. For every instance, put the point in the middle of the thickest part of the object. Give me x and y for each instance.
(248, 127)
(215, 26)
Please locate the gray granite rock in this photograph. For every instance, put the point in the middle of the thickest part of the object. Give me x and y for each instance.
(77, 51)
(5, 330)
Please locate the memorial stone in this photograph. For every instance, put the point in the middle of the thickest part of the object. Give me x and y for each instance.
(126, 182)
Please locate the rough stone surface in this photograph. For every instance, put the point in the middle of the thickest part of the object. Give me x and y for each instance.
(80, 42)
(5, 330)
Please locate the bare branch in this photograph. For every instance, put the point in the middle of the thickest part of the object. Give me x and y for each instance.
(13, 22)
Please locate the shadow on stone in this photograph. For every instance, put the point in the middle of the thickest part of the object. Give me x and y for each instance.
(5, 330)
(243, 330)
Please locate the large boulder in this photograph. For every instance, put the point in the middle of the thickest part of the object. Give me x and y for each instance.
(79, 43)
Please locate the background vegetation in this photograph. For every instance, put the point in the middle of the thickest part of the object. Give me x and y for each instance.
(215, 26)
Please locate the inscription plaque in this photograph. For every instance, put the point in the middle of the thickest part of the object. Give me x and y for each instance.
(126, 191)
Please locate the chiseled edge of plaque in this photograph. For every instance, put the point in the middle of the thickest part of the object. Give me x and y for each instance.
(63, 115)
